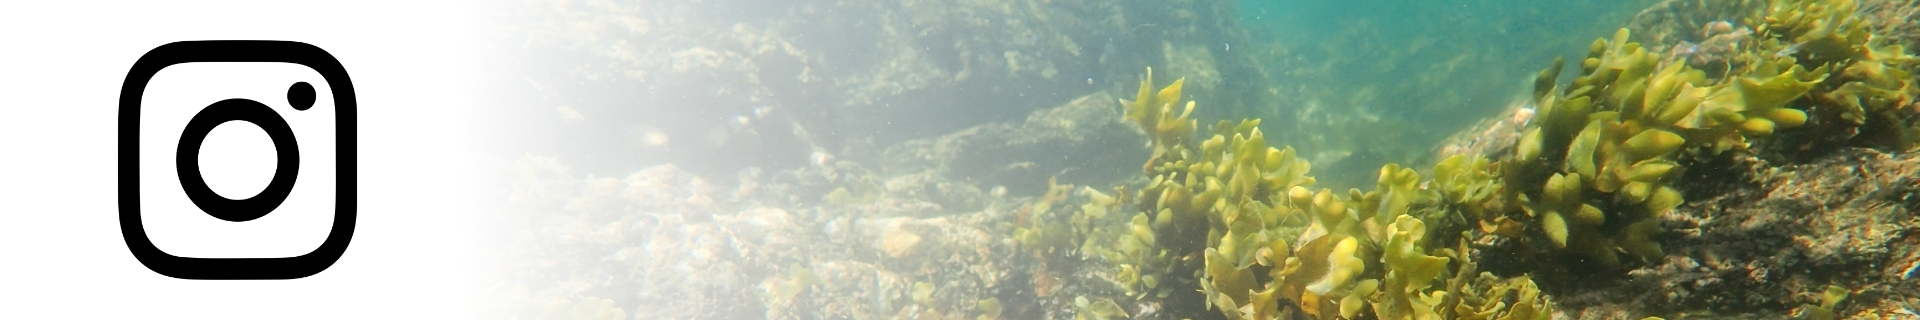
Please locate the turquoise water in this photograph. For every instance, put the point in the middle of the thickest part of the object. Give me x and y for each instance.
(1376, 81)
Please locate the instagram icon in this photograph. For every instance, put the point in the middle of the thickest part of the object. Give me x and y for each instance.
(237, 160)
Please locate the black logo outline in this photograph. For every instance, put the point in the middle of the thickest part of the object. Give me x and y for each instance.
(345, 196)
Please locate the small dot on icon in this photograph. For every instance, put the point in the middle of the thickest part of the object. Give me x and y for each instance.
(300, 96)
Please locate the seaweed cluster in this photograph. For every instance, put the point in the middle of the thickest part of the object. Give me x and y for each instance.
(1618, 130)
(1610, 144)
(1586, 184)
(1038, 226)
(1868, 81)
(1235, 217)
(1591, 176)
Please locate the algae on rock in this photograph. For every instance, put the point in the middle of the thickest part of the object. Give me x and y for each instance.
(1219, 213)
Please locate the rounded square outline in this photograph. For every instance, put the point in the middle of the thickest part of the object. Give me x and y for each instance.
(237, 268)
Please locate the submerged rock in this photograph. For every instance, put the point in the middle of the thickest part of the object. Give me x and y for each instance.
(663, 243)
(1081, 141)
(1770, 239)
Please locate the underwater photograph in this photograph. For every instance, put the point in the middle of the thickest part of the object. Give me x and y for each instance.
(1201, 159)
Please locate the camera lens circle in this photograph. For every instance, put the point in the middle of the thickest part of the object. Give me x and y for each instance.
(300, 95)
(286, 150)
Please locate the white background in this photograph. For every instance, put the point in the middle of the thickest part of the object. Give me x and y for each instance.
(61, 251)
(237, 161)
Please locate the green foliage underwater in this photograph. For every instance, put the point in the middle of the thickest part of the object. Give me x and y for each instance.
(1192, 159)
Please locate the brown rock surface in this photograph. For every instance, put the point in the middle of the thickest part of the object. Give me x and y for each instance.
(1767, 240)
